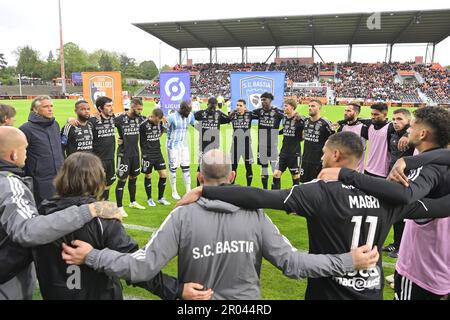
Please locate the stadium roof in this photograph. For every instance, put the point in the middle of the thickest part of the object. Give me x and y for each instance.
(428, 26)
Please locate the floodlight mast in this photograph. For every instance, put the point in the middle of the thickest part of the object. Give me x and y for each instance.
(61, 52)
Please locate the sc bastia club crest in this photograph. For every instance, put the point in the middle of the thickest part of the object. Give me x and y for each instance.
(255, 100)
(253, 87)
(317, 126)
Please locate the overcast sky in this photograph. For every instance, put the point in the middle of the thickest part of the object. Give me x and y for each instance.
(106, 24)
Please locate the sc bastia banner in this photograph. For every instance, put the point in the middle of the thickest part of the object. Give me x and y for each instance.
(250, 85)
(174, 87)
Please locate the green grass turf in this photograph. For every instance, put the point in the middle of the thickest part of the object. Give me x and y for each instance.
(274, 284)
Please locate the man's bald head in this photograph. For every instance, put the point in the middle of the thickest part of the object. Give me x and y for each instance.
(13, 145)
(215, 168)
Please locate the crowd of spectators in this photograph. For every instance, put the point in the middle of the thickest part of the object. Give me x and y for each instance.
(326, 66)
(376, 81)
(296, 72)
(436, 83)
(307, 92)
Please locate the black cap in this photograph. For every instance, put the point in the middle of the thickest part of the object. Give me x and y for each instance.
(267, 95)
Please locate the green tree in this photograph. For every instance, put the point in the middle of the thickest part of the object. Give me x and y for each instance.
(52, 69)
(126, 62)
(8, 76)
(132, 72)
(129, 68)
(105, 63)
(94, 59)
(29, 63)
(165, 68)
(148, 69)
(50, 56)
(75, 59)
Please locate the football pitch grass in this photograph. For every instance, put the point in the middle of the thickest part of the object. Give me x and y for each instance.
(275, 286)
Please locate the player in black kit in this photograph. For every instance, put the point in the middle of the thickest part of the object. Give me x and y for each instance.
(127, 125)
(150, 132)
(340, 217)
(209, 121)
(423, 256)
(290, 153)
(104, 141)
(316, 132)
(104, 145)
(241, 146)
(79, 137)
(269, 119)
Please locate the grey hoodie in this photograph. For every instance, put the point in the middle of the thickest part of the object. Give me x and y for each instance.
(20, 223)
(221, 246)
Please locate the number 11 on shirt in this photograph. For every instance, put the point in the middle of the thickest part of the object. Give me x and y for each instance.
(357, 230)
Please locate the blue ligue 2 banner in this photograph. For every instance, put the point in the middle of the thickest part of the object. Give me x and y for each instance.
(77, 79)
(250, 85)
(174, 87)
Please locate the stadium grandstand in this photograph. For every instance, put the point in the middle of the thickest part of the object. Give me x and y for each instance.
(31, 87)
(35, 90)
(414, 82)
(128, 158)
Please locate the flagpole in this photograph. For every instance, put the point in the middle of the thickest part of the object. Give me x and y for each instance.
(20, 84)
(61, 52)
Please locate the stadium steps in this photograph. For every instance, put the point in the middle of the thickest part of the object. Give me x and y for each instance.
(36, 90)
(422, 96)
(398, 78)
(419, 77)
(139, 91)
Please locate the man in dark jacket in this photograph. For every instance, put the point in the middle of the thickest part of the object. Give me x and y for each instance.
(44, 152)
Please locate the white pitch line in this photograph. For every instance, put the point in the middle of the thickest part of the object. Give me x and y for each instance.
(140, 228)
(130, 297)
(389, 264)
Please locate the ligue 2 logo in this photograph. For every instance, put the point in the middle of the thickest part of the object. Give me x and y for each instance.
(175, 89)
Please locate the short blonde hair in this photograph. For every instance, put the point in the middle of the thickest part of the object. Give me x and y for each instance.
(292, 103)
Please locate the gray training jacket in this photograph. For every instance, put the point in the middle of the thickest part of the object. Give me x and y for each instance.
(220, 246)
(20, 221)
(17, 207)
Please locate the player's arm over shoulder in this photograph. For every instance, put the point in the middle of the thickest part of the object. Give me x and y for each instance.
(439, 156)
(328, 125)
(305, 200)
